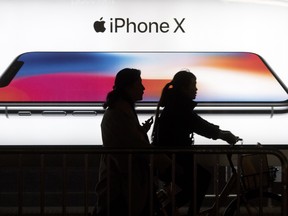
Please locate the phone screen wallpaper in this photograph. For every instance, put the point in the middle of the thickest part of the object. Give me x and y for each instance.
(89, 76)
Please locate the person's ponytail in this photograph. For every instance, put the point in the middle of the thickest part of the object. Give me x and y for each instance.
(111, 97)
(162, 103)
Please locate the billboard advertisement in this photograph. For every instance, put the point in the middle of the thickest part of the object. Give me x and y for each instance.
(60, 57)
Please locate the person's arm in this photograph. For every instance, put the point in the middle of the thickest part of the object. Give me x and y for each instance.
(120, 129)
(127, 133)
(203, 127)
(228, 137)
(209, 130)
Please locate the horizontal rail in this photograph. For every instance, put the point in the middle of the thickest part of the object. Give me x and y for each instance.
(96, 149)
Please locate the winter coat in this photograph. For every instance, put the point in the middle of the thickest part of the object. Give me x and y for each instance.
(121, 129)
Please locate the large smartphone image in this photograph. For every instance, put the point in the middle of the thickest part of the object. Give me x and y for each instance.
(52, 98)
(65, 83)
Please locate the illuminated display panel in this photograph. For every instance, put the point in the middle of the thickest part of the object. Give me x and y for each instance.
(89, 76)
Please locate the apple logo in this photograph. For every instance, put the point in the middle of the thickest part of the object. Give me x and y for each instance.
(99, 25)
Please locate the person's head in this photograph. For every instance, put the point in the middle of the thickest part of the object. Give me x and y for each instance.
(128, 85)
(182, 84)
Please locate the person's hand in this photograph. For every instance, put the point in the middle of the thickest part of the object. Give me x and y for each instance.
(147, 124)
(228, 137)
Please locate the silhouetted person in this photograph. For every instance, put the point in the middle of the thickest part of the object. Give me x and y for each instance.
(121, 129)
(176, 126)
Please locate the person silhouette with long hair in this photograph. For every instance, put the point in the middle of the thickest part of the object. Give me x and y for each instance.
(124, 183)
(176, 126)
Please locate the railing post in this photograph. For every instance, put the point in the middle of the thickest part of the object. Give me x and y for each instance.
(216, 173)
(20, 185)
(130, 184)
(64, 193)
(284, 185)
(108, 183)
(151, 185)
(86, 184)
(173, 201)
(42, 185)
(194, 166)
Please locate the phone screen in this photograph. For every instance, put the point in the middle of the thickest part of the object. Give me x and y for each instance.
(82, 77)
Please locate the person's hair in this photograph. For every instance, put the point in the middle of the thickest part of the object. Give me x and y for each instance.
(181, 79)
(124, 78)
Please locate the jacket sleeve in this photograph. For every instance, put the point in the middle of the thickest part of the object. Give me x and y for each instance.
(203, 127)
(121, 129)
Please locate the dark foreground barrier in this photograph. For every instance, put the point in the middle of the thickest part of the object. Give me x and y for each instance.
(61, 180)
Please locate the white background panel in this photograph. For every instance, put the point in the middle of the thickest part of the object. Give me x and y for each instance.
(258, 26)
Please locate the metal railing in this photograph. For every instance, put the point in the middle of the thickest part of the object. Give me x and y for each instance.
(21, 159)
